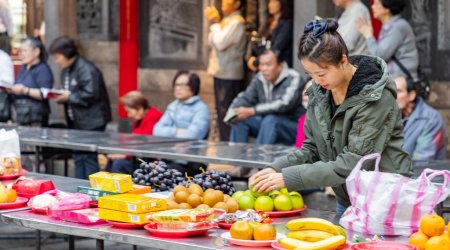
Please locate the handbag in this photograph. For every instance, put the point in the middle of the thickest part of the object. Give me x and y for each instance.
(422, 85)
(391, 204)
(30, 111)
(5, 107)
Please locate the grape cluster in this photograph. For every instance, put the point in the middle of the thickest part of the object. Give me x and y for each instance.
(215, 179)
(158, 176)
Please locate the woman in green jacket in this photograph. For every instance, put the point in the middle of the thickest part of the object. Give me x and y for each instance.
(352, 112)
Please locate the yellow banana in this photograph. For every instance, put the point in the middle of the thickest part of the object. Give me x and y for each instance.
(312, 224)
(341, 231)
(331, 243)
(309, 235)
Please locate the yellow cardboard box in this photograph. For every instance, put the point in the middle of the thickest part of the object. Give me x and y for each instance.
(133, 203)
(112, 182)
(120, 216)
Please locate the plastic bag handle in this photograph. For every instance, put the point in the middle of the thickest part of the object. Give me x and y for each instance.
(376, 156)
(436, 173)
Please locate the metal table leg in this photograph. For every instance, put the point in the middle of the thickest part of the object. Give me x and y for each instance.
(100, 244)
(71, 242)
(135, 247)
(38, 240)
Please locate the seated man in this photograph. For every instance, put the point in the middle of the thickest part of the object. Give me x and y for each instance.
(271, 105)
(424, 129)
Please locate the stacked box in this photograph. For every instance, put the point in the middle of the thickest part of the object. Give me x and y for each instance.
(95, 194)
(112, 182)
(131, 208)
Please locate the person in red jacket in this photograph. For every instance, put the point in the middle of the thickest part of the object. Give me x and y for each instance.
(144, 119)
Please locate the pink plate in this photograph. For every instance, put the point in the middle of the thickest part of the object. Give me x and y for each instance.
(278, 246)
(285, 213)
(175, 233)
(13, 176)
(20, 202)
(125, 225)
(375, 245)
(250, 243)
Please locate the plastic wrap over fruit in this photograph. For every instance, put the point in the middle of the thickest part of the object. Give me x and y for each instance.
(71, 202)
(249, 215)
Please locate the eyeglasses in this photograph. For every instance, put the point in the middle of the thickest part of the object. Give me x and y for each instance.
(181, 85)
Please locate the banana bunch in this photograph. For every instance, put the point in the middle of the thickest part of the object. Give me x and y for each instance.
(313, 234)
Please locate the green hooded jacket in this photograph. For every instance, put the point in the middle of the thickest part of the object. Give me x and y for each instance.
(368, 121)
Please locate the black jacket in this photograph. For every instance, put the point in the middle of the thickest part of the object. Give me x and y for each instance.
(88, 100)
(281, 40)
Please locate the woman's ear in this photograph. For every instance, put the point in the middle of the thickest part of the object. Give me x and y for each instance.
(344, 61)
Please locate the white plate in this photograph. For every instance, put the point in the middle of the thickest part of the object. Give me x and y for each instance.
(250, 243)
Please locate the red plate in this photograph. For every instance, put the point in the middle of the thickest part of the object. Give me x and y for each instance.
(13, 176)
(251, 243)
(125, 225)
(375, 245)
(225, 225)
(20, 202)
(278, 246)
(285, 213)
(175, 233)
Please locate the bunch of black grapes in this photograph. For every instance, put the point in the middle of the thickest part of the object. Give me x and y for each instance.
(158, 176)
(215, 179)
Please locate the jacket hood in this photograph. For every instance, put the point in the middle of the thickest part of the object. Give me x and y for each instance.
(368, 82)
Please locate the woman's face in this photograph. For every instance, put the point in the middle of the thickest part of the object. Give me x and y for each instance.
(182, 91)
(379, 10)
(229, 6)
(135, 114)
(274, 7)
(28, 55)
(328, 76)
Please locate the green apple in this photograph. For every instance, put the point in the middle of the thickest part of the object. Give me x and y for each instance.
(264, 203)
(282, 202)
(237, 194)
(256, 194)
(284, 191)
(248, 192)
(246, 202)
(297, 201)
(274, 193)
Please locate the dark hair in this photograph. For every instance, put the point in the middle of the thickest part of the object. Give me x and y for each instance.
(135, 100)
(65, 46)
(321, 43)
(287, 9)
(395, 6)
(277, 54)
(193, 82)
(36, 43)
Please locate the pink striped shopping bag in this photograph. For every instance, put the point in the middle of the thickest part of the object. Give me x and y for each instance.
(391, 204)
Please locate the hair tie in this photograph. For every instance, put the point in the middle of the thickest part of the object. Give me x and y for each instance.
(316, 27)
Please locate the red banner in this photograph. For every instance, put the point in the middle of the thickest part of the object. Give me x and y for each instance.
(128, 48)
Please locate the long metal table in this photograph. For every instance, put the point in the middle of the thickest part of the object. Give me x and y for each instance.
(239, 154)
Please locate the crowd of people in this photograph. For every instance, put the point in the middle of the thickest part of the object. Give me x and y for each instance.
(359, 94)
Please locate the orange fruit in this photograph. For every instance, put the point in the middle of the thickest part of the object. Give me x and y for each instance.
(221, 205)
(210, 198)
(180, 188)
(12, 195)
(264, 232)
(418, 239)
(203, 206)
(232, 205)
(219, 195)
(3, 194)
(171, 205)
(195, 189)
(437, 243)
(432, 225)
(181, 196)
(194, 200)
(184, 205)
(241, 230)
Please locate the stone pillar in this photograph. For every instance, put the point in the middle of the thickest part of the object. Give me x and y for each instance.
(60, 19)
(305, 11)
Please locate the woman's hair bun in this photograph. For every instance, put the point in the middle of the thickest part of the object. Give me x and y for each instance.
(332, 25)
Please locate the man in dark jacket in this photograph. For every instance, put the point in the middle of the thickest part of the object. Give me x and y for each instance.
(85, 98)
(270, 107)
